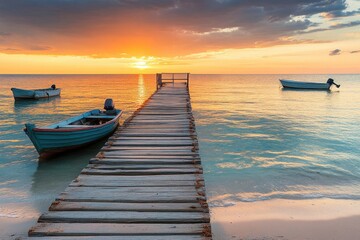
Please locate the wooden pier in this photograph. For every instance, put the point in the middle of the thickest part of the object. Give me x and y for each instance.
(145, 183)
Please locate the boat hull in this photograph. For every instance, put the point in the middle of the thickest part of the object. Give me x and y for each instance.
(304, 85)
(35, 94)
(50, 141)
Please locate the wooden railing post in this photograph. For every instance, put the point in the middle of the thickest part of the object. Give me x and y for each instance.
(158, 81)
(187, 79)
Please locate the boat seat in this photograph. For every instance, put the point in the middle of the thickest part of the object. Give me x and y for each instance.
(100, 117)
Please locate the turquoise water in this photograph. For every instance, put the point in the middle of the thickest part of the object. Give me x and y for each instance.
(261, 142)
(257, 141)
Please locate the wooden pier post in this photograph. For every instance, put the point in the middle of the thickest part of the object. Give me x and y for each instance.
(145, 183)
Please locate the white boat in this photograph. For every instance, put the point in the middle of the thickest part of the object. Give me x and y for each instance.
(74, 132)
(308, 85)
(35, 93)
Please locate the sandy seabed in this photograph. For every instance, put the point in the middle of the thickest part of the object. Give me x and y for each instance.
(315, 219)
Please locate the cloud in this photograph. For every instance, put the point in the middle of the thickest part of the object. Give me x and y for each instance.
(335, 52)
(339, 13)
(4, 34)
(333, 27)
(357, 51)
(112, 28)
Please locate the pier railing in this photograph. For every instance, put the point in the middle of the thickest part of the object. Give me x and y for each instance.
(163, 78)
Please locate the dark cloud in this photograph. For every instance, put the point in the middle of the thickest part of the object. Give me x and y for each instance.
(156, 27)
(337, 14)
(335, 52)
(333, 27)
(11, 49)
(39, 48)
(357, 51)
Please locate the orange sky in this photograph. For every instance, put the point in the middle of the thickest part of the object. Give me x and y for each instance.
(182, 36)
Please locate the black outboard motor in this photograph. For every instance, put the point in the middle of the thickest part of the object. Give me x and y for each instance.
(331, 82)
(53, 86)
(109, 104)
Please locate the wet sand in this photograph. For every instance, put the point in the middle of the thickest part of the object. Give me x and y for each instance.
(16, 219)
(316, 219)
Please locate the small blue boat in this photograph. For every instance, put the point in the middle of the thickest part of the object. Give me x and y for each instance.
(308, 85)
(74, 132)
(19, 93)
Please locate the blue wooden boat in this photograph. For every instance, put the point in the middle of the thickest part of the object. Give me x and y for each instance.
(308, 85)
(74, 132)
(35, 93)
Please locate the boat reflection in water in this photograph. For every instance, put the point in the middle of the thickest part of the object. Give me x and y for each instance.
(53, 176)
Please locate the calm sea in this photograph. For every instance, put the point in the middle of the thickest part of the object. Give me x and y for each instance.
(257, 141)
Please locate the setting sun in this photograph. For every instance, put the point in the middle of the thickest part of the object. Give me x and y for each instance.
(141, 65)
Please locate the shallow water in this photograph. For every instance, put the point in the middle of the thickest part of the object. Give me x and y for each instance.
(261, 142)
(257, 141)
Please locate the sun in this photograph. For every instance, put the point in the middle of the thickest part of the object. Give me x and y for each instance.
(141, 65)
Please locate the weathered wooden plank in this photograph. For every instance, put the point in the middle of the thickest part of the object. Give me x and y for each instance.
(138, 237)
(166, 100)
(155, 118)
(159, 125)
(154, 171)
(116, 152)
(181, 106)
(154, 143)
(154, 125)
(138, 207)
(103, 155)
(155, 108)
(112, 142)
(131, 183)
(172, 141)
(155, 129)
(123, 217)
(142, 166)
(164, 113)
(116, 190)
(149, 138)
(150, 152)
(147, 134)
(162, 122)
(120, 161)
(172, 102)
(151, 197)
(165, 178)
(161, 117)
(147, 147)
(115, 229)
